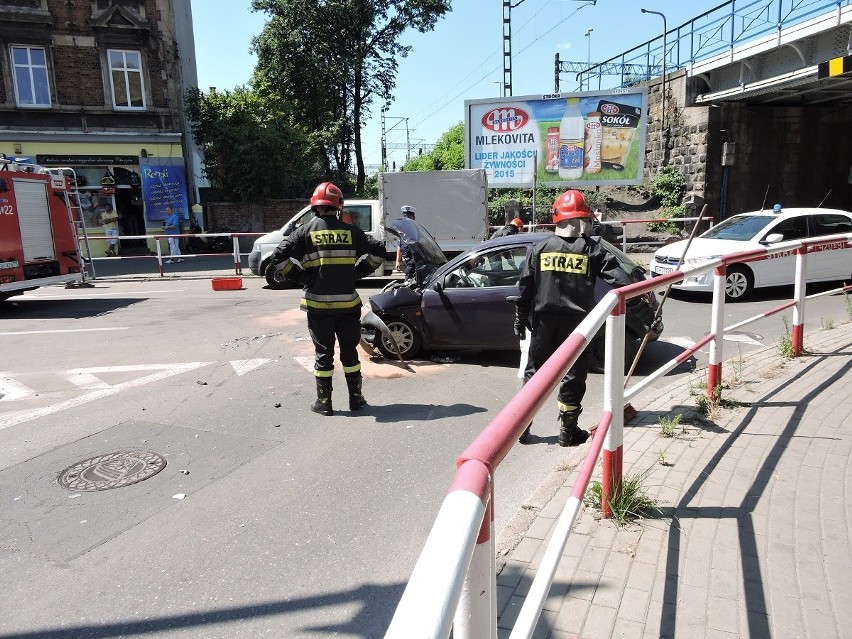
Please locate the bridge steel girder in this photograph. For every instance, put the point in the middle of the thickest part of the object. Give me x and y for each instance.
(780, 69)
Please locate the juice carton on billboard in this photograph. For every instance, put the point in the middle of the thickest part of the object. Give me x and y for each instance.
(560, 140)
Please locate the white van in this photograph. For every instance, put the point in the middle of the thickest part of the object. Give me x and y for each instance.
(364, 213)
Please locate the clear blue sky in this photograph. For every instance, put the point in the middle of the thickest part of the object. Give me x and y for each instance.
(461, 59)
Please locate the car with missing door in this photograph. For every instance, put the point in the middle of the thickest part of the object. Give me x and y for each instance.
(761, 229)
(462, 304)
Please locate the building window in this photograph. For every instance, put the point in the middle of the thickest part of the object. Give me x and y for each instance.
(29, 68)
(125, 73)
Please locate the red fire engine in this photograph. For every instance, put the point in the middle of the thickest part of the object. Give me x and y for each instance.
(38, 234)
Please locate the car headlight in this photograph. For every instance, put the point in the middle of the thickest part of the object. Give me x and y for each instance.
(695, 262)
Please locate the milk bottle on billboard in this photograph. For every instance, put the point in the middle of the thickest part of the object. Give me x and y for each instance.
(571, 139)
(594, 142)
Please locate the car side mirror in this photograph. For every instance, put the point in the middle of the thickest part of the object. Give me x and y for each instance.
(438, 287)
(774, 238)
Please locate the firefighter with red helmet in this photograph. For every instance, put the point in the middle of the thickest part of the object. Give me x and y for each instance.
(333, 254)
(557, 290)
(511, 228)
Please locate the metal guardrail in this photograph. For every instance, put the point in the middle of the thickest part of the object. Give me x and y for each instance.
(453, 585)
(162, 258)
(712, 33)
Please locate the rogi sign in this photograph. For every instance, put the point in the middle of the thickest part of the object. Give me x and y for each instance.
(558, 140)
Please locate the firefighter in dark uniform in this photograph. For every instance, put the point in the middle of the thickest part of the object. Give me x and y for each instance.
(333, 255)
(556, 292)
(511, 228)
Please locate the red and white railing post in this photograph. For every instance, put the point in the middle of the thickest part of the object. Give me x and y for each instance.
(798, 335)
(431, 597)
(476, 615)
(159, 254)
(238, 263)
(717, 324)
(613, 402)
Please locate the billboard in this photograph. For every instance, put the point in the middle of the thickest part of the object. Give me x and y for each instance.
(559, 140)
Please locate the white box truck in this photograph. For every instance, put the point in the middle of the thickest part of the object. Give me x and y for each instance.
(451, 205)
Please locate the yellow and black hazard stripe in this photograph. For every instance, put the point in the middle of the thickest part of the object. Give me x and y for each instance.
(834, 67)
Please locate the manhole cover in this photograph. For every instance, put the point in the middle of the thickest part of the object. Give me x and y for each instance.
(113, 470)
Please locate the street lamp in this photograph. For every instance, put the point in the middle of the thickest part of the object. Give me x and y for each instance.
(589, 55)
(663, 100)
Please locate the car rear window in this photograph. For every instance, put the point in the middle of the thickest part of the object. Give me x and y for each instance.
(739, 227)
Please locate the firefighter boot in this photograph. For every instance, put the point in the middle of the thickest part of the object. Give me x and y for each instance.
(569, 433)
(356, 399)
(323, 403)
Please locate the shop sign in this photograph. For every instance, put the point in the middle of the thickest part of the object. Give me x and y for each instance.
(87, 160)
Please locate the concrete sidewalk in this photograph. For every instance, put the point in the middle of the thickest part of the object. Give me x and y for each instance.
(752, 534)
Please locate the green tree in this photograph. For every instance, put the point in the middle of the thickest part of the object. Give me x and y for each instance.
(332, 59)
(252, 148)
(448, 153)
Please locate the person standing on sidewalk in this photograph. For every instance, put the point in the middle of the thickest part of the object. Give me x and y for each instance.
(557, 290)
(109, 220)
(333, 255)
(172, 226)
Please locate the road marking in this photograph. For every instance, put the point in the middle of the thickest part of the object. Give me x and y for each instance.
(64, 330)
(243, 366)
(11, 390)
(162, 372)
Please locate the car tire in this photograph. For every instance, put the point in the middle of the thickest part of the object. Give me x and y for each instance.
(273, 279)
(407, 339)
(597, 350)
(739, 283)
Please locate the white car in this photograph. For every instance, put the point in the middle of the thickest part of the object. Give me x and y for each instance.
(755, 230)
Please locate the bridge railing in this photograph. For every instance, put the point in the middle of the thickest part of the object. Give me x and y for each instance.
(712, 33)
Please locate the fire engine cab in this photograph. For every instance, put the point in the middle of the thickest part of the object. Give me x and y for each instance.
(38, 232)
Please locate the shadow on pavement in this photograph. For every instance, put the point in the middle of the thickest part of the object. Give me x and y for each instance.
(375, 609)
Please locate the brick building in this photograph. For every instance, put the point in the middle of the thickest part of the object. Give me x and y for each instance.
(97, 85)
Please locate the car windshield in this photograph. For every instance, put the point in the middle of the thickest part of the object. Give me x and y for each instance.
(741, 228)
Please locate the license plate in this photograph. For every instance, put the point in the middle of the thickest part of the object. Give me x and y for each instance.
(662, 270)
(9, 264)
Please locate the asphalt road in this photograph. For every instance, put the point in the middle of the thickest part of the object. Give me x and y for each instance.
(267, 518)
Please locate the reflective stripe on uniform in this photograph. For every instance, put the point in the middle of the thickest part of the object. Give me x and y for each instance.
(566, 408)
(323, 303)
(324, 373)
(328, 261)
(352, 369)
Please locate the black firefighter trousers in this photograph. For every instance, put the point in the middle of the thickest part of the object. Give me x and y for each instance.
(324, 327)
(549, 330)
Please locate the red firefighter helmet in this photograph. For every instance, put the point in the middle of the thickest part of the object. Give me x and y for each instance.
(570, 205)
(327, 194)
(518, 222)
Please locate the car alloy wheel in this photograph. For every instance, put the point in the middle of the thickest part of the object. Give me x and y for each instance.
(738, 284)
(407, 340)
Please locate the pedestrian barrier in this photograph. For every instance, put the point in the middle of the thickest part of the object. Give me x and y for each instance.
(453, 585)
(161, 258)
